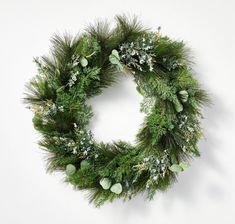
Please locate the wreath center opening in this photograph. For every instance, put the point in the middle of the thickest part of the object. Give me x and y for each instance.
(116, 111)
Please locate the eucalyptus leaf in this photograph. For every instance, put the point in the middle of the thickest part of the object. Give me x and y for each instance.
(178, 107)
(115, 59)
(70, 169)
(84, 164)
(116, 188)
(176, 168)
(183, 96)
(83, 62)
(116, 54)
(184, 165)
(105, 183)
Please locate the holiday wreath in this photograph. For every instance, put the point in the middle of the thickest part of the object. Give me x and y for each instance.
(78, 69)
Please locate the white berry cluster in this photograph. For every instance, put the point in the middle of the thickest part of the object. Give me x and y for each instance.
(85, 145)
(157, 167)
(75, 70)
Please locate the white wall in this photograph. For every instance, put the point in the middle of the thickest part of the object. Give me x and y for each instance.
(204, 193)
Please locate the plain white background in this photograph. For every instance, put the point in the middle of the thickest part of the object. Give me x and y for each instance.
(203, 194)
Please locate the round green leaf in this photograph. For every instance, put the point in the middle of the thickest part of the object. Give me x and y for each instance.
(83, 62)
(183, 95)
(70, 169)
(105, 183)
(116, 54)
(116, 188)
(184, 165)
(113, 59)
(84, 164)
(176, 168)
(178, 107)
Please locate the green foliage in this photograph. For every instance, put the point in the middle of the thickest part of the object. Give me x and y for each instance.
(87, 46)
(179, 167)
(70, 169)
(105, 183)
(114, 58)
(79, 68)
(116, 188)
(175, 168)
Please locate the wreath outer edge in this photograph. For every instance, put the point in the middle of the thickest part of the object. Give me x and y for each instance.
(77, 69)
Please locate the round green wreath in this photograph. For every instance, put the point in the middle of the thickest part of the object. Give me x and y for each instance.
(78, 69)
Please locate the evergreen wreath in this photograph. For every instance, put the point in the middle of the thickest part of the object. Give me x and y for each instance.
(78, 69)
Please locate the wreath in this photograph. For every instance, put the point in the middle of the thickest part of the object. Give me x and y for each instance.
(77, 69)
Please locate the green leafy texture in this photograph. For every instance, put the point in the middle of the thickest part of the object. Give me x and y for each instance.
(81, 67)
(84, 164)
(179, 167)
(105, 183)
(115, 59)
(87, 46)
(116, 188)
(175, 168)
(184, 165)
(183, 96)
(83, 62)
(70, 169)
